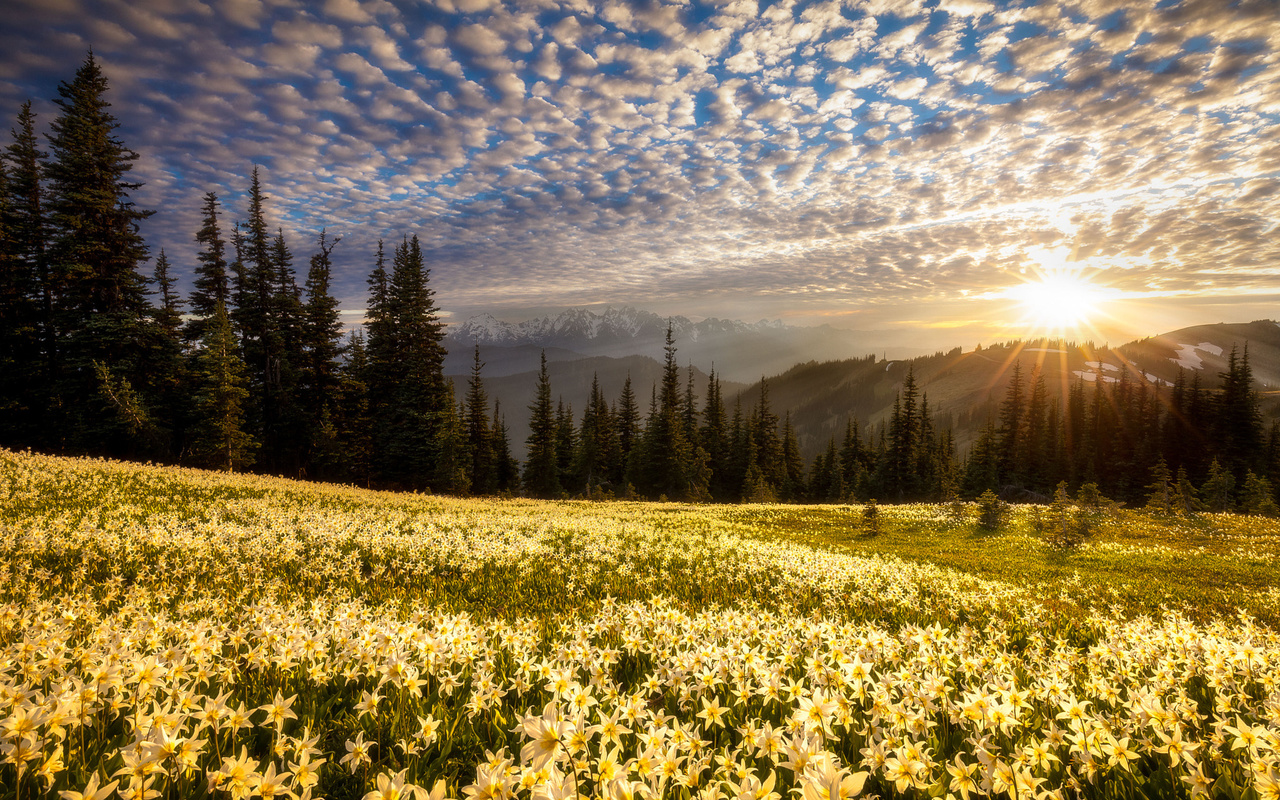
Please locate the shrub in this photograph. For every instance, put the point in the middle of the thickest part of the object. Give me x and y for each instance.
(993, 512)
(871, 518)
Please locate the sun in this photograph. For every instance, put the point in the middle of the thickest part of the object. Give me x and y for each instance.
(1059, 296)
(1056, 302)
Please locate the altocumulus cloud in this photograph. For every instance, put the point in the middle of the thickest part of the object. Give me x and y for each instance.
(799, 158)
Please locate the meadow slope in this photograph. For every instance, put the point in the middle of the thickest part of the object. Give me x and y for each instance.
(175, 633)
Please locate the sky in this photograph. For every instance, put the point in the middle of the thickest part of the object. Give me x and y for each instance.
(940, 171)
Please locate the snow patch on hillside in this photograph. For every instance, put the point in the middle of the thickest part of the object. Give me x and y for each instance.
(1093, 377)
(1188, 358)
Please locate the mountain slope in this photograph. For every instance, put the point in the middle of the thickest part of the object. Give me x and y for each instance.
(964, 389)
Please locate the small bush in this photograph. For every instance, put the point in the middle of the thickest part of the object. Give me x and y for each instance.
(871, 518)
(993, 512)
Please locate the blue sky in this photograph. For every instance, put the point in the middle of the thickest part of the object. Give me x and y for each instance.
(875, 164)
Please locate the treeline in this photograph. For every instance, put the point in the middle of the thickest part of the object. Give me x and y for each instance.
(252, 371)
(1133, 440)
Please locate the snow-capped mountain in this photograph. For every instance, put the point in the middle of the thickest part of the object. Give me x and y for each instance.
(737, 350)
(578, 325)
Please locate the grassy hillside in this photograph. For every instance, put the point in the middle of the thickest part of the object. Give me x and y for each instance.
(197, 634)
(965, 388)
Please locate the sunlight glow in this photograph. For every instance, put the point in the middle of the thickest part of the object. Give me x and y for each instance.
(1058, 298)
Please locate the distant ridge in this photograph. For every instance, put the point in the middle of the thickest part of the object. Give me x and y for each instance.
(735, 349)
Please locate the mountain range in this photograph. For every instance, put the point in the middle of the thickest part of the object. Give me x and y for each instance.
(736, 350)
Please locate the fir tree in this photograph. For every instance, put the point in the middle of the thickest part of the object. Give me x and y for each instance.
(100, 310)
(219, 438)
(480, 440)
(1219, 488)
(1161, 492)
(320, 382)
(169, 314)
(1257, 496)
(541, 475)
(566, 444)
(627, 420)
(355, 429)
(419, 403)
(1012, 417)
(793, 487)
(26, 334)
(714, 439)
(506, 468)
(212, 284)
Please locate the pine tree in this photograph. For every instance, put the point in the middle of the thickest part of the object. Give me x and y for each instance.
(319, 379)
(212, 285)
(169, 314)
(597, 443)
(671, 465)
(1257, 497)
(480, 441)
(219, 438)
(793, 487)
(419, 404)
(1238, 422)
(355, 429)
(714, 439)
(1011, 429)
(100, 310)
(541, 475)
(566, 444)
(1186, 500)
(627, 421)
(26, 335)
(764, 430)
(1161, 492)
(982, 470)
(506, 467)
(1219, 488)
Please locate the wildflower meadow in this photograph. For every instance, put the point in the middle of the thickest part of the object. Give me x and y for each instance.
(171, 633)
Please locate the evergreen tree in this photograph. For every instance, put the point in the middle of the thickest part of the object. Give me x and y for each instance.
(627, 421)
(480, 441)
(1219, 488)
(827, 485)
(597, 443)
(355, 427)
(541, 475)
(506, 467)
(26, 335)
(1258, 497)
(901, 477)
(566, 444)
(1011, 429)
(1161, 497)
(320, 383)
(169, 314)
(793, 487)
(714, 439)
(1238, 424)
(413, 447)
(671, 465)
(212, 285)
(101, 317)
(452, 462)
(219, 439)
(982, 470)
(764, 428)
(1186, 500)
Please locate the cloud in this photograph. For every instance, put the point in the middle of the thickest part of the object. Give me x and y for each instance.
(818, 154)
